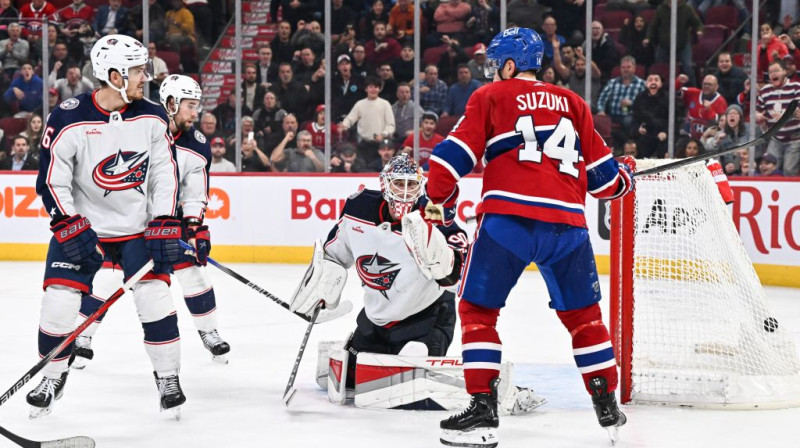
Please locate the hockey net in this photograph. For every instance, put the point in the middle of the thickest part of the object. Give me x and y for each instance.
(690, 321)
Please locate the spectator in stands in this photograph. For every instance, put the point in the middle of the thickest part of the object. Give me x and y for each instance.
(713, 135)
(388, 83)
(767, 166)
(74, 84)
(346, 41)
(401, 20)
(403, 111)
(736, 132)
(374, 118)
(433, 91)
(158, 22)
(377, 13)
(25, 92)
(692, 148)
(403, 68)
(8, 14)
(36, 9)
(208, 126)
(342, 16)
(289, 124)
(450, 60)
(549, 36)
(226, 115)
(180, 26)
(305, 66)
(309, 34)
(361, 67)
(301, 159)
(33, 132)
(52, 102)
(73, 16)
(317, 129)
(20, 158)
(771, 101)
(35, 44)
(14, 51)
(526, 13)
(266, 70)
(160, 71)
(658, 35)
(346, 89)
(113, 19)
(219, 164)
(770, 48)
(483, 23)
(281, 44)
(451, 20)
(346, 160)
(253, 158)
(631, 149)
(382, 48)
(428, 139)
(60, 60)
(386, 151)
(569, 15)
(459, 93)
(203, 20)
(650, 119)
(293, 11)
(617, 97)
(730, 78)
(252, 93)
(575, 73)
(269, 116)
(477, 65)
(632, 36)
(604, 53)
(703, 106)
(791, 68)
(548, 75)
(292, 94)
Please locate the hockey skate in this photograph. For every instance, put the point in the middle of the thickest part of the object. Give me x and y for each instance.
(169, 387)
(42, 396)
(605, 405)
(215, 345)
(476, 426)
(82, 352)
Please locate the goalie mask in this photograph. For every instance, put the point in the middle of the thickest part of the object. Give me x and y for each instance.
(402, 184)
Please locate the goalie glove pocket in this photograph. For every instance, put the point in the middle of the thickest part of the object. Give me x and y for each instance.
(427, 246)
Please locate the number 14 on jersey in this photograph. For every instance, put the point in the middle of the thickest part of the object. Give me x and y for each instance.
(560, 145)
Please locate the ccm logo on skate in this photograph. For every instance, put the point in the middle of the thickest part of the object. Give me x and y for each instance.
(20, 202)
(62, 265)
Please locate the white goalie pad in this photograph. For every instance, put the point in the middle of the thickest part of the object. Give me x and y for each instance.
(429, 383)
(324, 349)
(323, 281)
(337, 376)
(428, 247)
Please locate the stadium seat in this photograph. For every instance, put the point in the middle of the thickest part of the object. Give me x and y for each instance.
(172, 59)
(614, 33)
(445, 124)
(13, 126)
(602, 123)
(662, 68)
(715, 32)
(96, 4)
(726, 16)
(648, 15)
(614, 19)
(433, 54)
(703, 50)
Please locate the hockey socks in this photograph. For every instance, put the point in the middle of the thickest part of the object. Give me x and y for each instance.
(591, 345)
(481, 346)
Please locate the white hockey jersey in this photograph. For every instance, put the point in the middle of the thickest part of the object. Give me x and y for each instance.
(116, 168)
(194, 161)
(366, 236)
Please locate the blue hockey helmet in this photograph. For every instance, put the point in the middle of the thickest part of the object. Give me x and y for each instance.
(522, 45)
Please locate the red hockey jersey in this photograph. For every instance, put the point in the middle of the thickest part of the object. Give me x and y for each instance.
(540, 149)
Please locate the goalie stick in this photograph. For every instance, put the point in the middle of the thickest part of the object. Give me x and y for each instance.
(288, 394)
(765, 137)
(79, 441)
(344, 308)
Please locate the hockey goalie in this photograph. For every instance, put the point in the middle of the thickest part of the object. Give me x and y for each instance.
(396, 356)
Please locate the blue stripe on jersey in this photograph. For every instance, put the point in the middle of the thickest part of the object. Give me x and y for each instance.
(533, 203)
(502, 146)
(455, 156)
(482, 355)
(601, 174)
(598, 357)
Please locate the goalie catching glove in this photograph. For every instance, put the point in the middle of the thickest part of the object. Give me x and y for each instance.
(323, 282)
(427, 246)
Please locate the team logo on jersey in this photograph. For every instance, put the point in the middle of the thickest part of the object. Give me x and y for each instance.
(124, 170)
(199, 136)
(377, 272)
(70, 103)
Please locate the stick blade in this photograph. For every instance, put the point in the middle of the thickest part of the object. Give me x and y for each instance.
(70, 442)
(288, 396)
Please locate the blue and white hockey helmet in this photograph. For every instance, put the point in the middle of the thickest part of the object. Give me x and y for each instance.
(119, 53)
(402, 184)
(179, 87)
(522, 45)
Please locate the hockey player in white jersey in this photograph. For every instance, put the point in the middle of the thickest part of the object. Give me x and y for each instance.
(180, 96)
(109, 180)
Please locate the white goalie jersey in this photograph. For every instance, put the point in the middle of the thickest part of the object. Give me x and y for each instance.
(367, 238)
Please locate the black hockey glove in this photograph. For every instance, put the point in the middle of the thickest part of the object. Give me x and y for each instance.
(78, 241)
(161, 239)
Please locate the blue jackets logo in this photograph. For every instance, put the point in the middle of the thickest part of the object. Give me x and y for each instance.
(123, 171)
(376, 272)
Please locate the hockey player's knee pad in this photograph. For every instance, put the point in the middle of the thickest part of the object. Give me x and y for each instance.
(60, 306)
(153, 300)
(581, 319)
(194, 280)
(475, 317)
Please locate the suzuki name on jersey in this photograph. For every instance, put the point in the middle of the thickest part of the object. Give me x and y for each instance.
(542, 100)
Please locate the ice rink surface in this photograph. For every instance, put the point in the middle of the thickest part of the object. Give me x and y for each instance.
(114, 400)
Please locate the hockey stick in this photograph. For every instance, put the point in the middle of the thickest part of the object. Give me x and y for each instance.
(765, 137)
(288, 394)
(69, 442)
(344, 308)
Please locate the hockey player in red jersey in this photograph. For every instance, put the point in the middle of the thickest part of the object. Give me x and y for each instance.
(542, 155)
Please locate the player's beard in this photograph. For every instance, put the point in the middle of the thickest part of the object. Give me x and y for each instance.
(135, 93)
(185, 126)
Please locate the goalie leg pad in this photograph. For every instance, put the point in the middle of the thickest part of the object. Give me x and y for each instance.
(323, 281)
(337, 376)
(324, 349)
